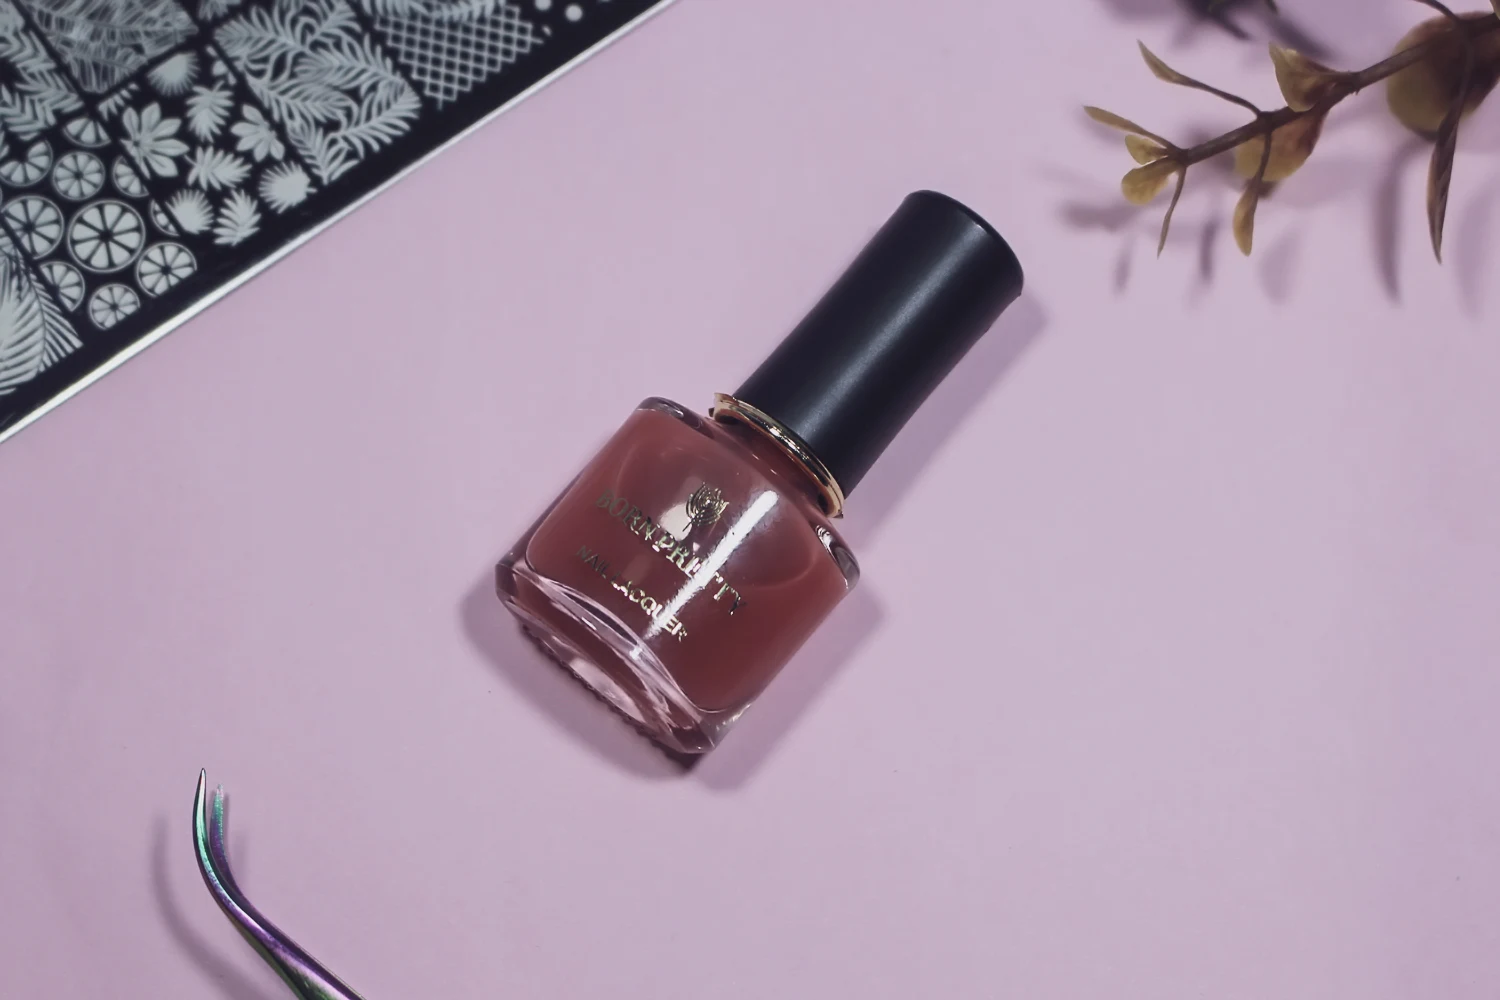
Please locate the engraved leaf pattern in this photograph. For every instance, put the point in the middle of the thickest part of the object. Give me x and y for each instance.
(192, 210)
(285, 186)
(140, 138)
(215, 169)
(34, 334)
(209, 10)
(208, 110)
(239, 219)
(119, 100)
(440, 10)
(311, 65)
(104, 41)
(38, 93)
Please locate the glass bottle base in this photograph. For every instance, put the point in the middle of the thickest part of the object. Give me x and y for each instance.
(599, 650)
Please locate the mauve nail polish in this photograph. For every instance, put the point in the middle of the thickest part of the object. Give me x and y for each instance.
(694, 554)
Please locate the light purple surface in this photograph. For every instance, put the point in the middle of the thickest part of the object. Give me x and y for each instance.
(1173, 672)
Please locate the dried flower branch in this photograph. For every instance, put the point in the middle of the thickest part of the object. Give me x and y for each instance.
(1438, 74)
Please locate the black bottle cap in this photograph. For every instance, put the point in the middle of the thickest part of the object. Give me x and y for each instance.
(920, 294)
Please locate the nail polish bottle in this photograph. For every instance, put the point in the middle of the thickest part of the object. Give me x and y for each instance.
(694, 554)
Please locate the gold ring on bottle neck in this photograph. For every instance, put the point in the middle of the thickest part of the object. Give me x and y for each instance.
(728, 408)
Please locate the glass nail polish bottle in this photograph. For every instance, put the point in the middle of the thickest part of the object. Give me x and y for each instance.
(694, 554)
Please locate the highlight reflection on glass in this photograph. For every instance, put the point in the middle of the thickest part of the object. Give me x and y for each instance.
(680, 624)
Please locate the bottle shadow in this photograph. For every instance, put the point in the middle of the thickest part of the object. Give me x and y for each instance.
(232, 982)
(591, 722)
(791, 695)
(560, 696)
(945, 411)
(841, 638)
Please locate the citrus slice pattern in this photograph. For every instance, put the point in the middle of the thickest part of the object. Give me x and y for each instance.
(111, 304)
(163, 266)
(106, 236)
(36, 222)
(163, 219)
(65, 281)
(87, 132)
(78, 175)
(29, 168)
(127, 180)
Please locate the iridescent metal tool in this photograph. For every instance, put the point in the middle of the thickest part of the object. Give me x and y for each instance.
(302, 973)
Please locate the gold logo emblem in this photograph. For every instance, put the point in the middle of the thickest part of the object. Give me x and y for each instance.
(705, 505)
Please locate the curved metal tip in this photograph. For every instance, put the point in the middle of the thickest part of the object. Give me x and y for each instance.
(303, 975)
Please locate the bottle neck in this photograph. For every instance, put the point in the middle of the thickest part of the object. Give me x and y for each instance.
(767, 429)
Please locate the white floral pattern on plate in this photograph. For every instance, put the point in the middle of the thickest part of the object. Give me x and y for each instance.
(237, 152)
(210, 10)
(111, 304)
(33, 91)
(28, 168)
(81, 216)
(106, 236)
(152, 150)
(78, 175)
(285, 186)
(34, 333)
(104, 41)
(127, 181)
(163, 266)
(37, 223)
(87, 132)
(66, 282)
(152, 139)
(310, 63)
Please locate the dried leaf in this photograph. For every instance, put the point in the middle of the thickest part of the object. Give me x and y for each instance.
(1244, 218)
(1123, 124)
(1166, 222)
(1421, 94)
(1291, 145)
(1244, 210)
(1143, 184)
(1440, 171)
(1303, 82)
(1164, 72)
(1439, 179)
(1440, 7)
(1143, 150)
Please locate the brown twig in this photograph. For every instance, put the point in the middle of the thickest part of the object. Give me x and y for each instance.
(1269, 121)
(1274, 144)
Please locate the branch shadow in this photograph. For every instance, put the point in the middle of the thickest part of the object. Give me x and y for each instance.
(1278, 266)
(1388, 215)
(794, 691)
(1474, 242)
(1228, 17)
(1208, 245)
(233, 983)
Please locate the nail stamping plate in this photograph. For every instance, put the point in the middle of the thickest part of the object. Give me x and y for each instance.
(155, 154)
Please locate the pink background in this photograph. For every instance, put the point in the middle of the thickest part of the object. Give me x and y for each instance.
(1174, 669)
